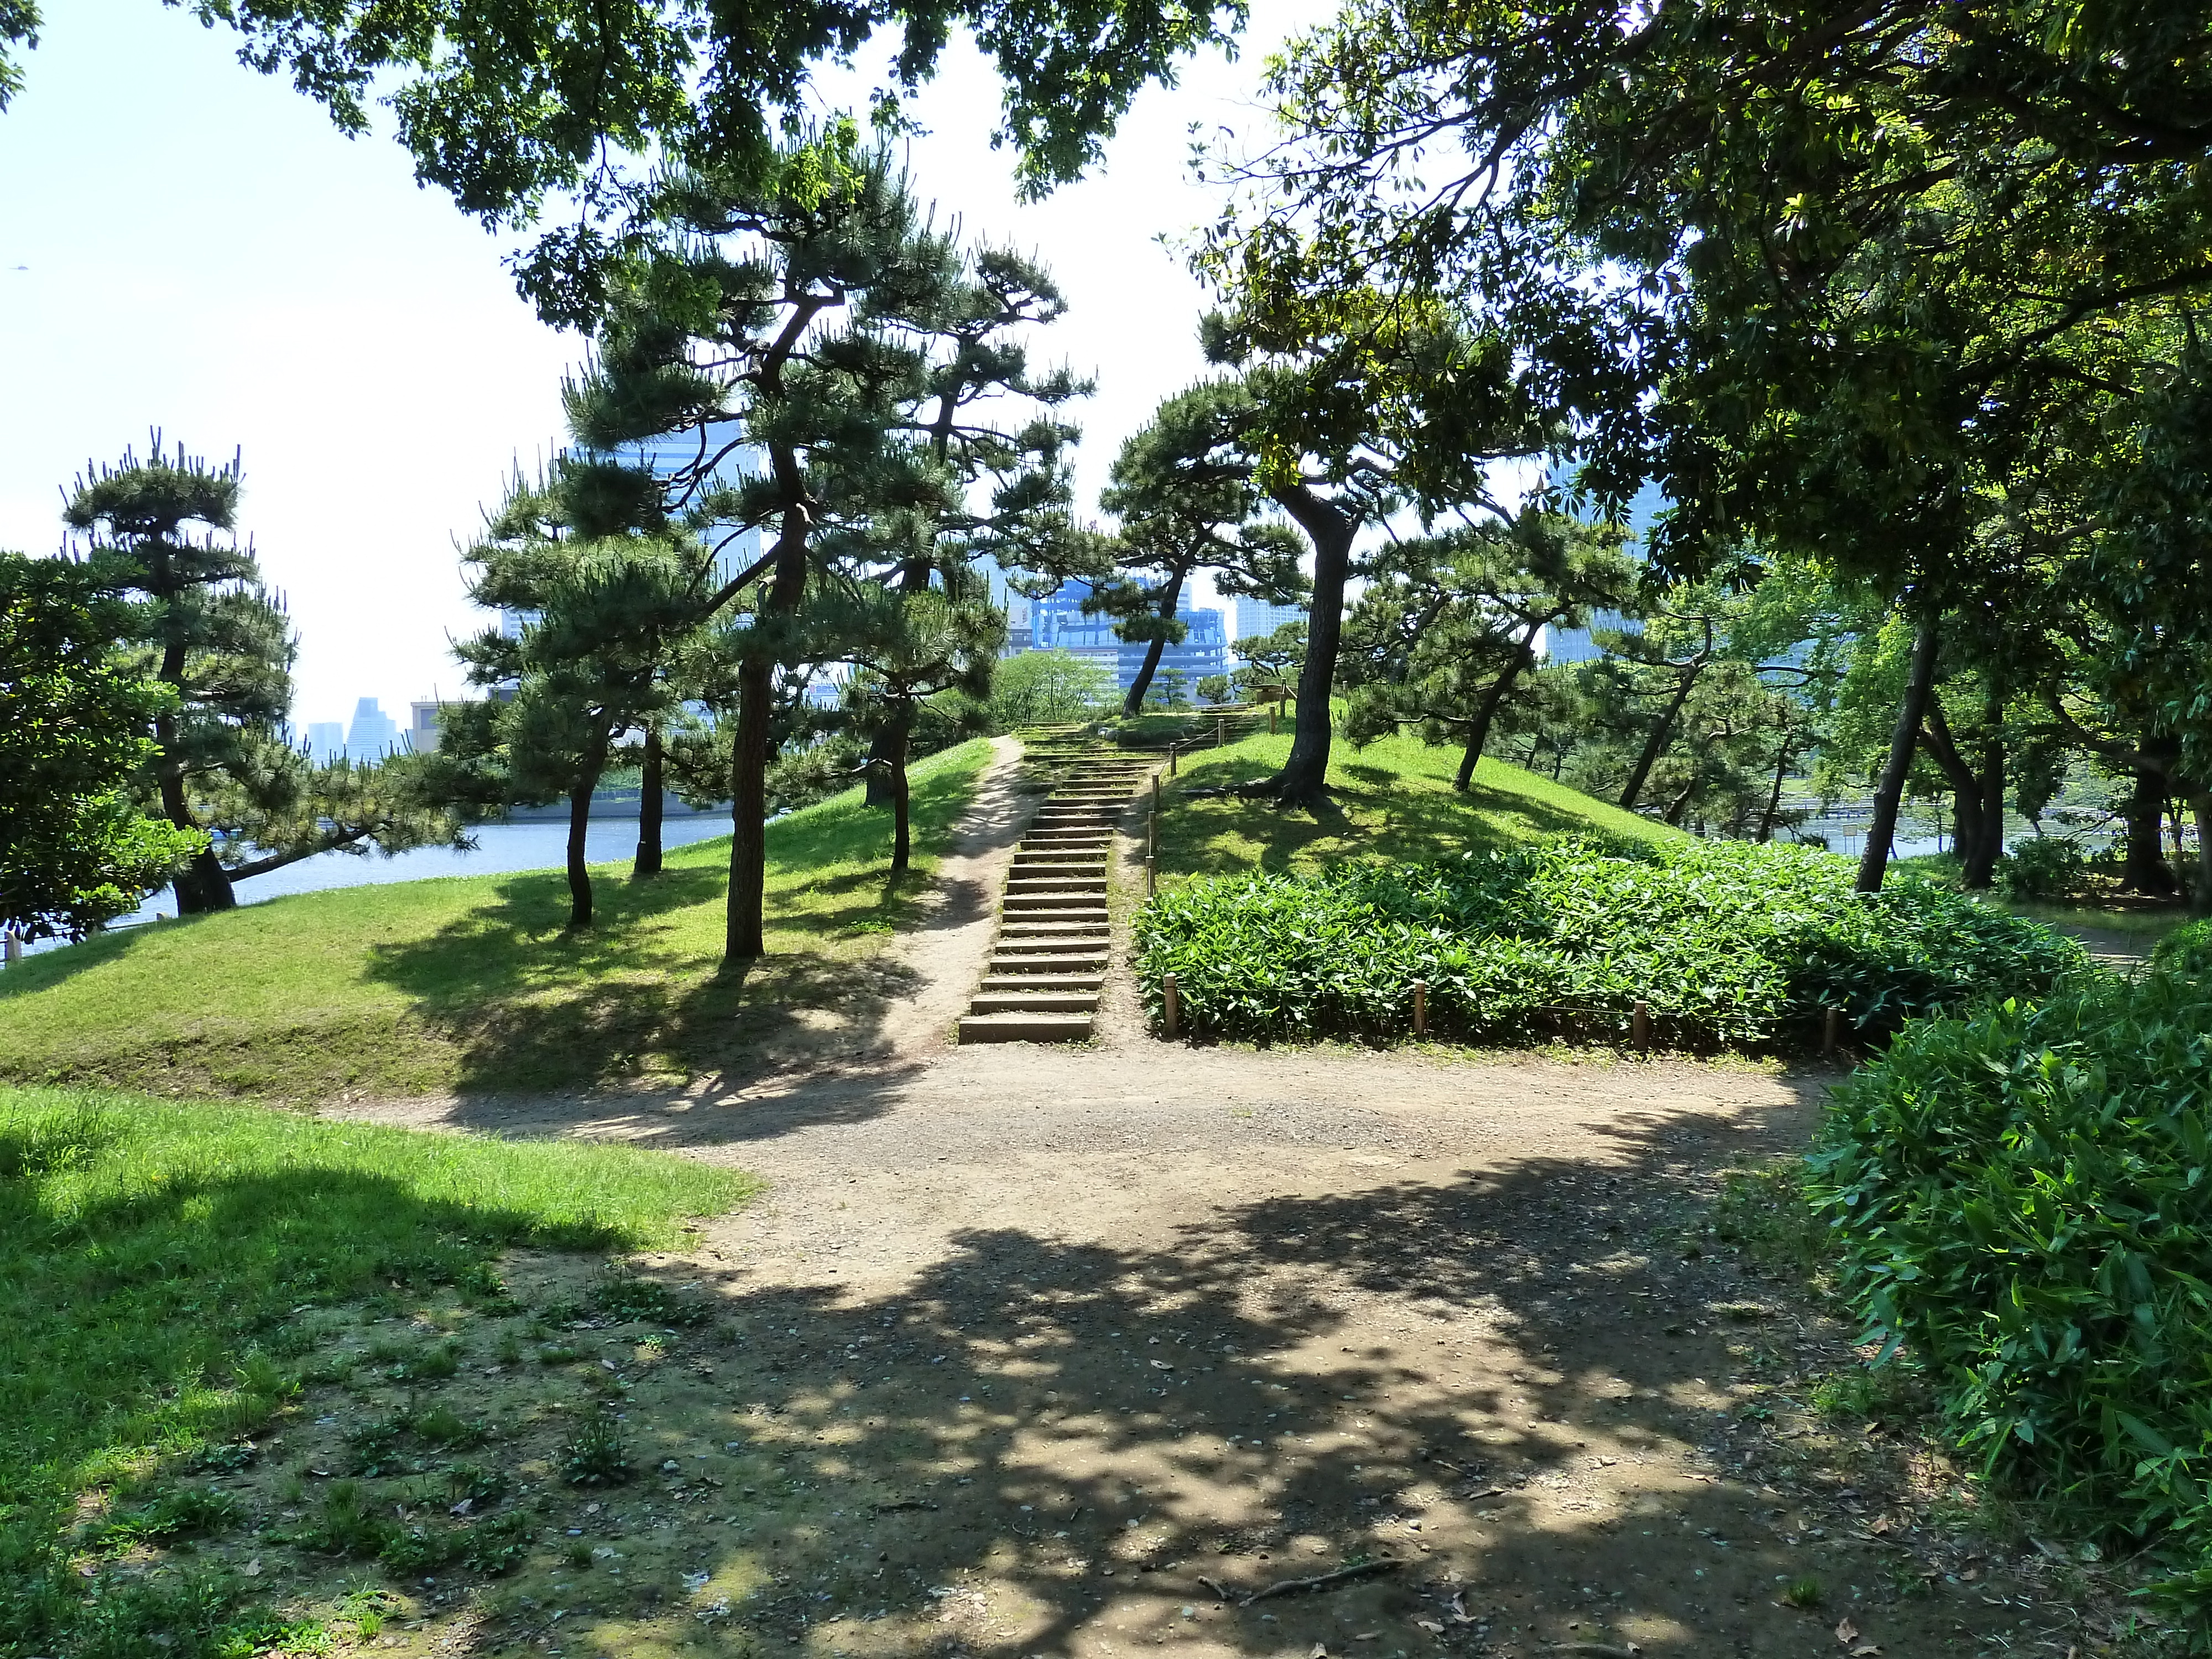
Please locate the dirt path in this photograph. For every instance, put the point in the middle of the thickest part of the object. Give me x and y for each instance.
(1032, 1350)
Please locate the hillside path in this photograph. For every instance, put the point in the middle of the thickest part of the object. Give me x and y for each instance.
(1068, 1350)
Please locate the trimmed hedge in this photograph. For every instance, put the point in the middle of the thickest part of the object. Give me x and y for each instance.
(1727, 943)
(2024, 1195)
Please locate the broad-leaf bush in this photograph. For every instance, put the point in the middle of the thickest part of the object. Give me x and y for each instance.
(2023, 1194)
(2186, 951)
(1726, 943)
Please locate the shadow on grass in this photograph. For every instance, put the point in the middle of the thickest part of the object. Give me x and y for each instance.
(129, 1336)
(530, 1006)
(1372, 810)
(1437, 1374)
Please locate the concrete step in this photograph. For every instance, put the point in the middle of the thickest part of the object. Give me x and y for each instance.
(1055, 857)
(1061, 909)
(1034, 1002)
(1054, 877)
(1075, 941)
(1025, 1028)
(1028, 896)
(1023, 984)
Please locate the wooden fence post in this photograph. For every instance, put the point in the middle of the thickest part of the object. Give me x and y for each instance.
(1151, 876)
(1420, 1007)
(1274, 709)
(1220, 731)
(1639, 1025)
(1832, 1023)
(1170, 1004)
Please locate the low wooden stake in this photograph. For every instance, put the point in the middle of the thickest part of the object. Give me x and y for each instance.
(1274, 709)
(1420, 1007)
(1640, 1024)
(1170, 1004)
(1832, 1029)
(11, 948)
(1220, 733)
(1152, 833)
(1171, 759)
(1156, 795)
(1151, 876)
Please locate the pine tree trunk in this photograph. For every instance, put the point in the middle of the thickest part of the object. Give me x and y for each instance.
(1478, 735)
(201, 885)
(877, 784)
(1655, 744)
(1304, 780)
(648, 862)
(902, 803)
(1171, 595)
(1889, 791)
(2144, 869)
(579, 872)
(743, 937)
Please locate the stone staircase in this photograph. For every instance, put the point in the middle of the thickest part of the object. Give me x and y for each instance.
(1049, 959)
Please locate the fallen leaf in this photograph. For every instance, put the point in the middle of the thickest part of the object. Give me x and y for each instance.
(253, 1569)
(1431, 1625)
(1847, 1632)
(1319, 1652)
(1865, 1651)
(1880, 1526)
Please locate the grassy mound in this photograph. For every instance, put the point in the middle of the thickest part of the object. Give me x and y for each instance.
(469, 982)
(154, 1259)
(1725, 942)
(2020, 1196)
(1391, 799)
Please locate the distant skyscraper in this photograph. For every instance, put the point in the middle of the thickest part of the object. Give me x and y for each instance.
(326, 739)
(422, 727)
(374, 734)
(1256, 620)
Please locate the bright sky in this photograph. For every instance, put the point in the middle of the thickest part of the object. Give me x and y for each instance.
(187, 244)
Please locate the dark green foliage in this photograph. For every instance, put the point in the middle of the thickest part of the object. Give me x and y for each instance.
(75, 850)
(2044, 868)
(511, 107)
(2186, 951)
(1726, 943)
(177, 1512)
(2019, 1195)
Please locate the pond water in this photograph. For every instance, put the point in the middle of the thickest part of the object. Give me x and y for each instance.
(501, 849)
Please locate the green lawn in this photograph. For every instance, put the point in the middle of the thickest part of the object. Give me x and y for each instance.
(470, 983)
(162, 1264)
(1391, 799)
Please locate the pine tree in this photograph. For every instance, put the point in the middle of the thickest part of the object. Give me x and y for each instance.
(1189, 499)
(775, 322)
(204, 626)
(605, 612)
(1449, 623)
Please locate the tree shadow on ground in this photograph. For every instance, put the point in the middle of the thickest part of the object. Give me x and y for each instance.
(1511, 1384)
(1370, 812)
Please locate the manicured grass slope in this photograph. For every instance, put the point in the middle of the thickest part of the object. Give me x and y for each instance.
(1393, 799)
(470, 983)
(153, 1257)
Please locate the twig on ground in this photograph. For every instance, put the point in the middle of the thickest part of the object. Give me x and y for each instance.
(904, 1504)
(1598, 1650)
(1215, 1587)
(1323, 1581)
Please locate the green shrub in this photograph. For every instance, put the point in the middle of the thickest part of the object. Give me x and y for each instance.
(2042, 869)
(2024, 1195)
(1725, 942)
(2186, 951)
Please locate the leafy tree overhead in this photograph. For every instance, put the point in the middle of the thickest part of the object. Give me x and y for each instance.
(510, 108)
(202, 625)
(1893, 288)
(75, 849)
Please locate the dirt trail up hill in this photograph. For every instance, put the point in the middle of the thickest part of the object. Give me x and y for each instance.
(1032, 1350)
